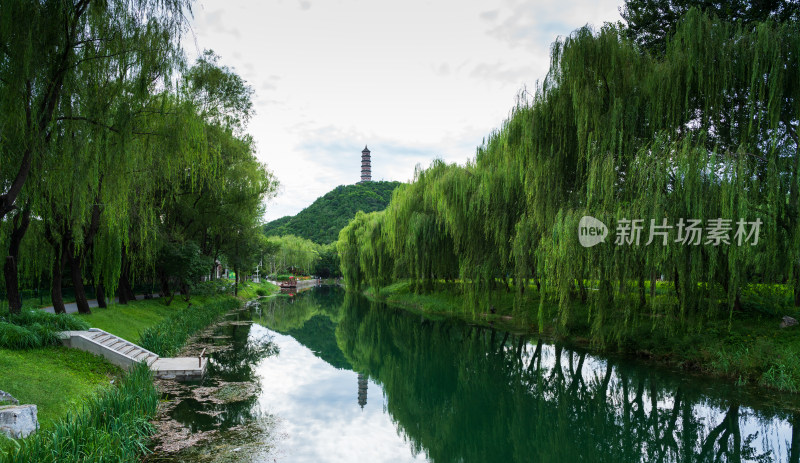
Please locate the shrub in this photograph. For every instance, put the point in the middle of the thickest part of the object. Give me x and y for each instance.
(35, 328)
(213, 287)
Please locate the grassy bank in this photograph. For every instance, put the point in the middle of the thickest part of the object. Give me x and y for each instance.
(54, 378)
(250, 290)
(748, 349)
(168, 336)
(70, 387)
(111, 425)
(129, 320)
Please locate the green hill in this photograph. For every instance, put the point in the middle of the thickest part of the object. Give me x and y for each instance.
(321, 221)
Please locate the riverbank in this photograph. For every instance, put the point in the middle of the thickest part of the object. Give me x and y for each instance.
(62, 381)
(751, 350)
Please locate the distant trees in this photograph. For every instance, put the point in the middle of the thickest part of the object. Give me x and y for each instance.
(292, 254)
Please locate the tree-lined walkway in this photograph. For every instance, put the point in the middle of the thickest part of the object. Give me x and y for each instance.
(72, 307)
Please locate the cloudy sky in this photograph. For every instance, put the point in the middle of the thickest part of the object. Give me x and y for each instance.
(414, 79)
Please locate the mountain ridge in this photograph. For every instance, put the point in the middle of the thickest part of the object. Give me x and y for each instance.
(321, 221)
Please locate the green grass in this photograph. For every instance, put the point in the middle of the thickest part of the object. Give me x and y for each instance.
(54, 378)
(168, 336)
(61, 381)
(748, 348)
(250, 290)
(34, 328)
(71, 387)
(112, 425)
(129, 320)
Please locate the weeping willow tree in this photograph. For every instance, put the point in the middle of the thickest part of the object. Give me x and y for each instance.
(707, 131)
(103, 147)
(82, 84)
(363, 251)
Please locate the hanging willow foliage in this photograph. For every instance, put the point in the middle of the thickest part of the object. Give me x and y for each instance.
(706, 131)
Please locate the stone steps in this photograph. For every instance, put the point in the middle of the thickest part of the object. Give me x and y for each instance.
(126, 354)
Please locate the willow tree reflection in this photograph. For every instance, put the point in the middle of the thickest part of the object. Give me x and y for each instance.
(464, 393)
(244, 348)
(310, 318)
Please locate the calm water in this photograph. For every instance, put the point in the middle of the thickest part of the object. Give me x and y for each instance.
(346, 380)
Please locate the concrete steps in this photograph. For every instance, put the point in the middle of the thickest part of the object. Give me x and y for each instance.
(126, 354)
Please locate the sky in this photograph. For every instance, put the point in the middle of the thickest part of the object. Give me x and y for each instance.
(415, 80)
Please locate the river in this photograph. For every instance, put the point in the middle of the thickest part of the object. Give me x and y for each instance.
(326, 376)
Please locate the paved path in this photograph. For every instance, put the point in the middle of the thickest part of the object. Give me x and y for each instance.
(73, 307)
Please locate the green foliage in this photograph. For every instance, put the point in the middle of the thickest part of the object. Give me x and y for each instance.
(292, 255)
(614, 133)
(139, 174)
(112, 426)
(250, 290)
(321, 221)
(651, 23)
(182, 263)
(169, 336)
(213, 287)
(327, 266)
(34, 328)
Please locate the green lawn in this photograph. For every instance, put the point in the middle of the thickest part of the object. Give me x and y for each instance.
(57, 379)
(53, 378)
(127, 321)
(250, 290)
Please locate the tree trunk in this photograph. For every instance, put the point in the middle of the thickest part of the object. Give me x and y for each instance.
(20, 226)
(642, 299)
(12, 285)
(236, 281)
(185, 292)
(129, 289)
(101, 296)
(77, 280)
(166, 293)
(121, 294)
(125, 292)
(797, 286)
(55, 289)
(652, 284)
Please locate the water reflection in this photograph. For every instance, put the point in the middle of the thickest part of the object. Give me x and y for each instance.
(360, 381)
(226, 396)
(462, 393)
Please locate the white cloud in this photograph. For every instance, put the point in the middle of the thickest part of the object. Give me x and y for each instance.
(415, 80)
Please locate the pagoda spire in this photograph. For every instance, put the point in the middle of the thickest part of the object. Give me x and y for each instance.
(366, 166)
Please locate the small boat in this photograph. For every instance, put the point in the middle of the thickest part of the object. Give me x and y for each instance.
(290, 283)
